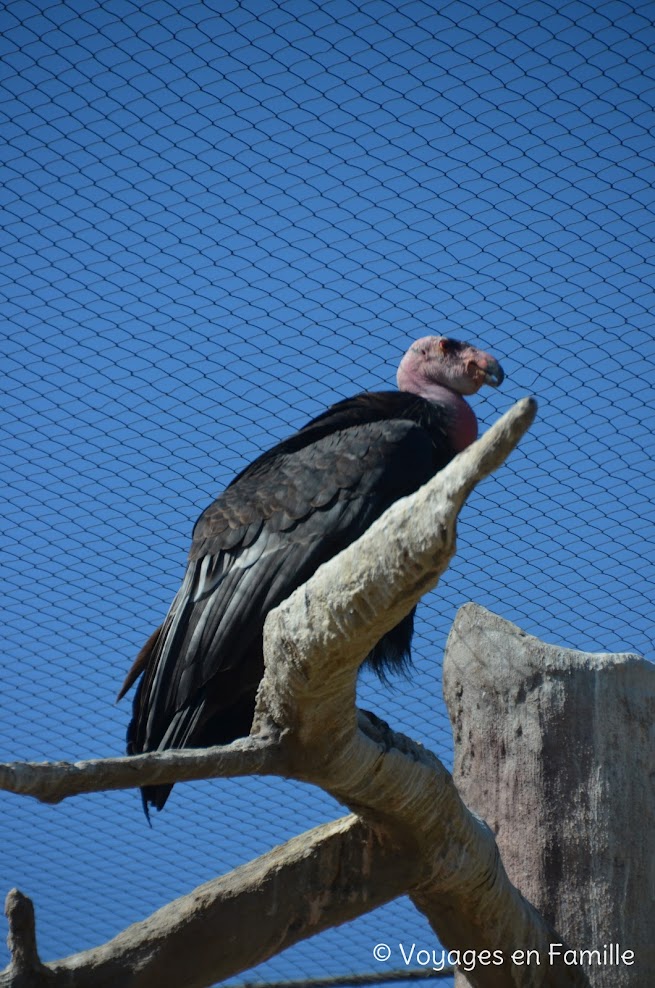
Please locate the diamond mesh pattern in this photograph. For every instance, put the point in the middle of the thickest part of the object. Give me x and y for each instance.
(220, 217)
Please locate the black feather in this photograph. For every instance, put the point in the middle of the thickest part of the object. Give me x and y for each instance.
(290, 510)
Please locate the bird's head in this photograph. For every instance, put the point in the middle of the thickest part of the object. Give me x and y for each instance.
(437, 362)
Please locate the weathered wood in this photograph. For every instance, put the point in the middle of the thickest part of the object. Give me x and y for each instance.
(555, 750)
(306, 725)
(321, 878)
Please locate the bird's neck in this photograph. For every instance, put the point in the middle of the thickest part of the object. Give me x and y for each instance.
(461, 422)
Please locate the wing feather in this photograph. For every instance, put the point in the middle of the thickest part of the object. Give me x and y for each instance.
(262, 538)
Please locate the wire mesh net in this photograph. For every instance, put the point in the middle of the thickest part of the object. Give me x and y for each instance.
(218, 219)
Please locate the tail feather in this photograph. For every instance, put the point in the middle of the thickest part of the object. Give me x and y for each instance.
(154, 796)
(223, 727)
(140, 664)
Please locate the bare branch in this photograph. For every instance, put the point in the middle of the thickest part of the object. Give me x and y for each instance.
(328, 626)
(314, 644)
(51, 782)
(324, 877)
(25, 968)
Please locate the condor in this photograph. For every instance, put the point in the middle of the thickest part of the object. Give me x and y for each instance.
(293, 508)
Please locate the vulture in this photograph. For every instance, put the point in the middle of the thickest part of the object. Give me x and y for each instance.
(296, 506)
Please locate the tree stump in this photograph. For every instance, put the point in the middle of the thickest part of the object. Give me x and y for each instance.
(555, 750)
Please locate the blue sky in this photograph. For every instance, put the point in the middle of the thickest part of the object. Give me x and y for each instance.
(218, 218)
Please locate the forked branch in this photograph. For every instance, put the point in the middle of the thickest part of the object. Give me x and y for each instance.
(413, 825)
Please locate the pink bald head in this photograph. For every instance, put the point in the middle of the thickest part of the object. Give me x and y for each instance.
(460, 367)
(442, 370)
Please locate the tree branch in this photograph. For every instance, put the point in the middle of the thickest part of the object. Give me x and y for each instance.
(25, 968)
(315, 881)
(307, 726)
(51, 782)
(327, 627)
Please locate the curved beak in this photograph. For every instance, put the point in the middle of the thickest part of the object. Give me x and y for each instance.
(493, 373)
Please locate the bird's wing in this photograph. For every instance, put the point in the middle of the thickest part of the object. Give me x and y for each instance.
(263, 537)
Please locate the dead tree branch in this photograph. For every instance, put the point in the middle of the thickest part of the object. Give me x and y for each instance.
(307, 726)
(51, 782)
(317, 880)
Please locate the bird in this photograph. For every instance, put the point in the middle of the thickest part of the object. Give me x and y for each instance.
(293, 508)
